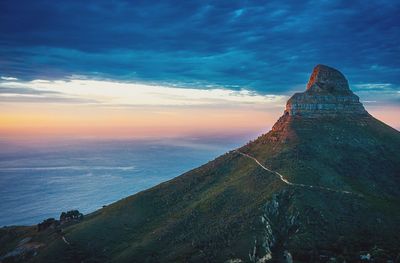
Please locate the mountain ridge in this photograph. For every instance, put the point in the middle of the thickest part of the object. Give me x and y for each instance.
(236, 209)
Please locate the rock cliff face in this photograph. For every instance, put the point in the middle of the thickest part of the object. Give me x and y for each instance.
(327, 93)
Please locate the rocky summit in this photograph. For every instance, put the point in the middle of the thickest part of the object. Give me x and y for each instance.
(321, 186)
(327, 93)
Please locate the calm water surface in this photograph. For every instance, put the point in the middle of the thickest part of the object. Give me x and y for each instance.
(41, 180)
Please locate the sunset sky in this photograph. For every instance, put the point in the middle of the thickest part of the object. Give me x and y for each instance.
(186, 68)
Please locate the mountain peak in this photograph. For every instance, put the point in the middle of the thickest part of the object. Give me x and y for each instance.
(324, 78)
(327, 93)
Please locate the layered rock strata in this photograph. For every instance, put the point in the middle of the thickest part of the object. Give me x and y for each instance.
(327, 93)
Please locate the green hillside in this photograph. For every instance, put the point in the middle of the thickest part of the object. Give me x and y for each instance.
(321, 186)
(230, 208)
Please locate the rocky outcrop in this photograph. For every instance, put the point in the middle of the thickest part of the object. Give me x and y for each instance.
(327, 93)
(280, 221)
(324, 78)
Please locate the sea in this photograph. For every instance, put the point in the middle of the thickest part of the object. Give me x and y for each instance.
(39, 180)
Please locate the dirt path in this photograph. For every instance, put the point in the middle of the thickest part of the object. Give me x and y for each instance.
(286, 181)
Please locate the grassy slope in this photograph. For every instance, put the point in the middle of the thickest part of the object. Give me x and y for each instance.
(192, 217)
(212, 213)
(358, 155)
(354, 153)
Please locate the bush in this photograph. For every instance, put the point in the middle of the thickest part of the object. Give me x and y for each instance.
(73, 215)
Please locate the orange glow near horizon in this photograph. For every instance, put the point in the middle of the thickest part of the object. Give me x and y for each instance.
(387, 114)
(106, 109)
(38, 121)
(82, 121)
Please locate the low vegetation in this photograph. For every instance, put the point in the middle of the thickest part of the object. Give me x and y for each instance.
(231, 209)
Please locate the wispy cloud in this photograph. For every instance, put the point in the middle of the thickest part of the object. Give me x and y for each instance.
(125, 94)
(23, 91)
(8, 78)
(378, 93)
(264, 46)
(375, 86)
(47, 99)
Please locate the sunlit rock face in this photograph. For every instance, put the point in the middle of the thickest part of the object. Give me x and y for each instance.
(327, 93)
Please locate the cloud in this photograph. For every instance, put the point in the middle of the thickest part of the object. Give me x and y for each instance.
(8, 78)
(47, 99)
(378, 93)
(265, 47)
(16, 91)
(24, 91)
(108, 93)
(375, 86)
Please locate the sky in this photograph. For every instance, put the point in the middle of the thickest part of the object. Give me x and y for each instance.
(178, 68)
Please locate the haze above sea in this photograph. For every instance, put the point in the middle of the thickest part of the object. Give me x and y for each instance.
(40, 180)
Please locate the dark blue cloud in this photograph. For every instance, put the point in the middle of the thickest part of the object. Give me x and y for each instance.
(268, 46)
